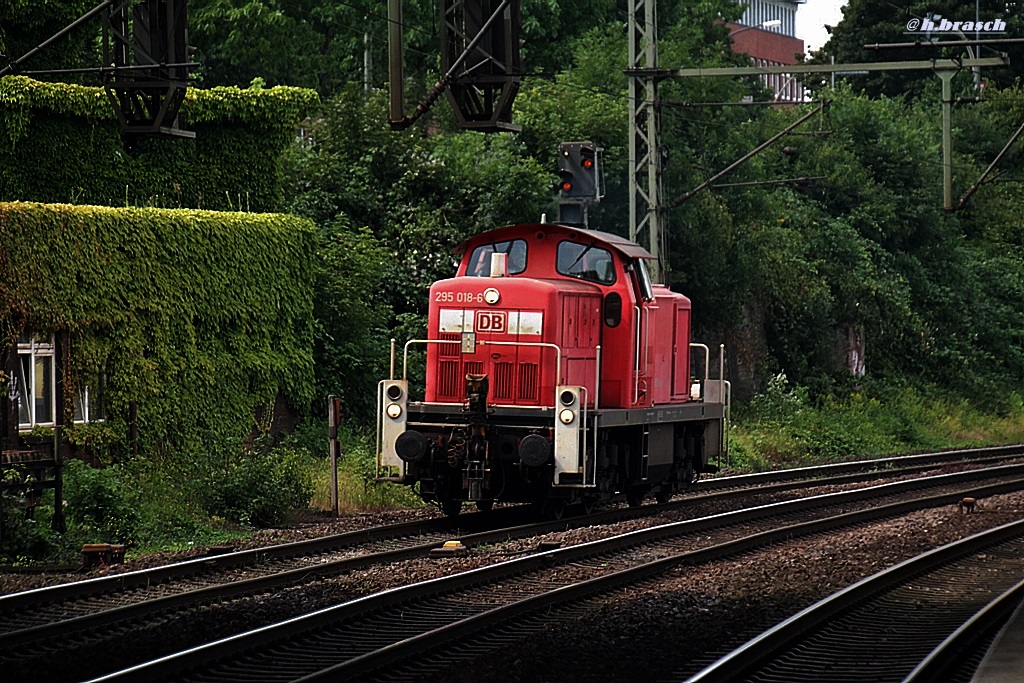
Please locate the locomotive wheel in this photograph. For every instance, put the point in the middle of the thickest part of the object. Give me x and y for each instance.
(555, 508)
(689, 475)
(484, 505)
(588, 506)
(634, 497)
(451, 507)
(663, 496)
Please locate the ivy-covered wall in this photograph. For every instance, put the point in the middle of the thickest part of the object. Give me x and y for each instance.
(61, 143)
(200, 317)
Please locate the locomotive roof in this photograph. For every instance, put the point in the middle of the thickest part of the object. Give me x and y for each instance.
(622, 245)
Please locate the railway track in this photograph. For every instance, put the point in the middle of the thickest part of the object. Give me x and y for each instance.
(462, 611)
(64, 608)
(55, 612)
(926, 619)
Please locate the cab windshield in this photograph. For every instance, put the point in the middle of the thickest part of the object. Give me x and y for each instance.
(480, 259)
(586, 262)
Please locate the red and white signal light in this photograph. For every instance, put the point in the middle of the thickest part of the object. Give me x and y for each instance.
(578, 171)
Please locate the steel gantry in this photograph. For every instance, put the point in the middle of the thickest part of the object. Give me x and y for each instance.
(648, 213)
(646, 209)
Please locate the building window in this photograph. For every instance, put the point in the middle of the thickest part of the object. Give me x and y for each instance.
(33, 385)
(89, 403)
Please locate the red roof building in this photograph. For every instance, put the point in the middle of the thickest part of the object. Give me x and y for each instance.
(767, 32)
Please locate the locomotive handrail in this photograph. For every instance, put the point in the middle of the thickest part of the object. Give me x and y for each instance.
(589, 474)
(727, 423)
(721, 362)
(707, 358)
(556, 347)
(380, 420)
(392, 358)
(643, 338)
(484, 342)
(647, 337)
(405, 351)
(581, 457)
(725, 443)
(636, 360)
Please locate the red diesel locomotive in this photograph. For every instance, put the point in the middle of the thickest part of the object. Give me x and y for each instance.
(556, 373)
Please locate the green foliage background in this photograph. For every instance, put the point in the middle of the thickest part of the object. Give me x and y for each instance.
(777, 272)
(780, 273)
(199, 316)
(872, 22)
(62, 143)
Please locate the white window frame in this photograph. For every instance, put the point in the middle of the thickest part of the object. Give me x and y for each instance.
(35, 350)
(82, 401)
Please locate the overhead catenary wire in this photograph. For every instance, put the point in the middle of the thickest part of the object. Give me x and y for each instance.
(736, 164)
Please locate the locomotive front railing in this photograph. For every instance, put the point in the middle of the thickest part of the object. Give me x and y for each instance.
(586, 429)
(722, 395)
(707, 358)
(556, 347)
(482, 342)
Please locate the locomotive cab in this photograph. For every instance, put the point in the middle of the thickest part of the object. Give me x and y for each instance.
(556, 372)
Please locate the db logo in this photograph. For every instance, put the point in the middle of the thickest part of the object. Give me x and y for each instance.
(490, 321)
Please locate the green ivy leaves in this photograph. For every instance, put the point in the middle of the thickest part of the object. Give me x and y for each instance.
(198, 316)
(61, 143)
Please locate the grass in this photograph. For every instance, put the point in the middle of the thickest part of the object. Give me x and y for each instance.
(783, 428)
(358, 492)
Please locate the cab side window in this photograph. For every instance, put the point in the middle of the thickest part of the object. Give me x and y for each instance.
(586, 262)
(480, 259)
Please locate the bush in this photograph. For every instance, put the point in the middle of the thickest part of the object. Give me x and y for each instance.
(357, 487)
(23, 536)
(262, 488)
(101, 506)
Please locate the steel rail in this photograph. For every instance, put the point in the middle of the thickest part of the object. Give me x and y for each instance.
(192, 596)
(845, 474)
(107, 617)
(406, 596)
(751, 656)
(155, 575)
(474, 625)
(764, 480)
(219, 591)
(949, 654)
(295, 576)
(860, 465)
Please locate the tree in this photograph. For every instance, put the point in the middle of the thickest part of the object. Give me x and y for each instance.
(24, 25)
(392, 206)
(869, 22)
(322, 44)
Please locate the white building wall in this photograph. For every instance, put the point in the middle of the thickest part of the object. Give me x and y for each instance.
(760, 11)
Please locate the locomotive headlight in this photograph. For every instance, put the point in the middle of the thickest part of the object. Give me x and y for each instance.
(567, 416)
(394, 411)
(491, 296)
